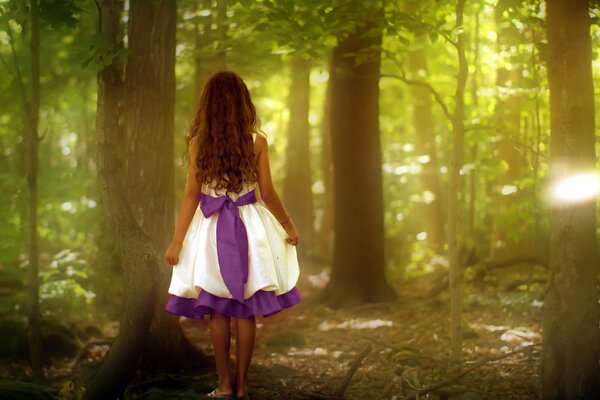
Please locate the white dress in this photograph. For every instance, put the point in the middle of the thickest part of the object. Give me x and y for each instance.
(197, 286)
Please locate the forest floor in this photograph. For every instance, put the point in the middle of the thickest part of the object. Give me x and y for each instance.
(394, 350)
(308, 351)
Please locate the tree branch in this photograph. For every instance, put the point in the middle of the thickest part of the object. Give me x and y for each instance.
(426, 85)
(473, 367)
(17, 74)
(352, 371)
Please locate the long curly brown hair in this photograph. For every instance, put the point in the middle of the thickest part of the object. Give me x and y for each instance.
(223, 128)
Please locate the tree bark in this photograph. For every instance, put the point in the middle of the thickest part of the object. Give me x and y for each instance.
(358, 271)
(571, 342)
(297, 183)
(432, 214)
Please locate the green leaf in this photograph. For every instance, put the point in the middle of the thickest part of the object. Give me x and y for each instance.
(59, 13)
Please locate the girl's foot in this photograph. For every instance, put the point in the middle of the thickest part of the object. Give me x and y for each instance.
(217, 393)
(241, 394)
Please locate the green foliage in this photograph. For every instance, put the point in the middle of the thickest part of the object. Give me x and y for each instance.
(59, 13)
(261, 37)
(96, 52)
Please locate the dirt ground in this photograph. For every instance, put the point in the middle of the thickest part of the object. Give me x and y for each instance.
(309, 351)
(396, 350)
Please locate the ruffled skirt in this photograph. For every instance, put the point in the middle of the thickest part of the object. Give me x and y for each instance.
(263, 303)
(197, 286)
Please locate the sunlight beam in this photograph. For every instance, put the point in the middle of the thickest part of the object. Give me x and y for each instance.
(575, 188)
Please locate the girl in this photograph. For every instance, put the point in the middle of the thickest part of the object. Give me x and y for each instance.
(233, 254)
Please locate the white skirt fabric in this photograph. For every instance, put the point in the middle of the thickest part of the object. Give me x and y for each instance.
(272, 262)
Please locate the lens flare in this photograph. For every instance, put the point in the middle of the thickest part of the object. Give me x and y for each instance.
(576, 188)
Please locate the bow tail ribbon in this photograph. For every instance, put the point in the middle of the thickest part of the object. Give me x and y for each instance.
(232, 240)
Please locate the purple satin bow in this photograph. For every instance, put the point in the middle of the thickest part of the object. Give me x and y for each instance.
(232, 240)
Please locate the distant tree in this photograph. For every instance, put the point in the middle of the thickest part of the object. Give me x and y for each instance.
(297, 184)
(507, 116)
(32, 117)
(358, 270)
(324, 237)
(210, 36)
(432, 213)
(455, 226)
(571, 342)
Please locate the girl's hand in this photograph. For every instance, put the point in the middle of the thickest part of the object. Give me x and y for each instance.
(292, 235)
(172, 254)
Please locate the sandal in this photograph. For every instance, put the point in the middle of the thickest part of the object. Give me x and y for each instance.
(219, 395)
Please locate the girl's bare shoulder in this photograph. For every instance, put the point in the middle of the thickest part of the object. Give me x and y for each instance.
(261, 141)
(261, 134)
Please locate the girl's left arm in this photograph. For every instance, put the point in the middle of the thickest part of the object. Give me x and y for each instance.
(189, 204)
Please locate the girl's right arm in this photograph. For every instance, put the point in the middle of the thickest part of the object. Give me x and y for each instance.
(189, 204)
(268, 193)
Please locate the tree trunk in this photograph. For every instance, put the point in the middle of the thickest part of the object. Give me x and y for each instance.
(297, 184)
(432, 214)
(358, 271)
(222, 28)
(32, 110)
(149, 168)
(144, 295)
(454, 190)
(507, 120)
(325, 235)
(203, 40)
(474, 148)
(140, 257)
(211, 45)
(571, 343)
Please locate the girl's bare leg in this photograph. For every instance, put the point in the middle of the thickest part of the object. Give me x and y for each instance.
(220, 337)
(244, 347)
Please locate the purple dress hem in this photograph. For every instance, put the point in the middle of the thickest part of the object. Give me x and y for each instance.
(262, 302)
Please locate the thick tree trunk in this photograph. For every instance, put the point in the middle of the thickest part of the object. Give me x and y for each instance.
(297, 183)
(454, 190)
(358, 272)
(140, 257)
(432, 214)
(32, 109)
(149, 168)
(571, 343)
